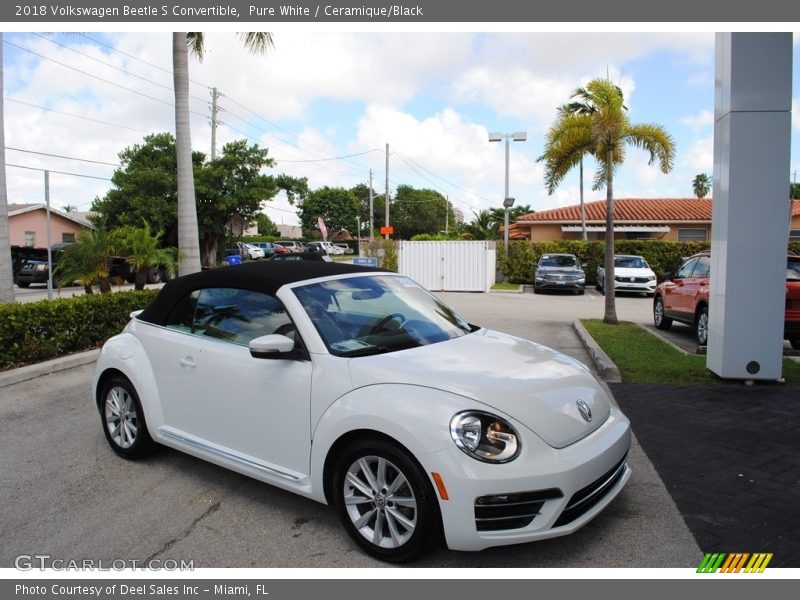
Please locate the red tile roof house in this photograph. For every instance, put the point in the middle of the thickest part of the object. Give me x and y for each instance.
(667, 219)
(27, 225)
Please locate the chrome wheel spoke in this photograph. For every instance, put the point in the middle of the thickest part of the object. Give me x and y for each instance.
(364, 519)
(393, 532)
(398, 482)
(381, 476)
(409, 502)
(402, 519)
(368, 474)
(359, 485)
(356, 500)
(377, 533)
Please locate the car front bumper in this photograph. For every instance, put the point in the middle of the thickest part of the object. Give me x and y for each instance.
(563, 488)
(559, 284)
(648, 287)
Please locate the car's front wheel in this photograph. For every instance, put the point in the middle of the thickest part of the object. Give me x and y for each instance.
(660, 321)
(701, 326)
(385, 501)
(123, 419)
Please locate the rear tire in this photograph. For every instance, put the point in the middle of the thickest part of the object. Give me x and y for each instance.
(701, 326)
(385, 501)
(659, 319)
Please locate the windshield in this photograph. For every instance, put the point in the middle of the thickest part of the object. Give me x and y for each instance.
(557, 261)
(630, 262)
(359, 316)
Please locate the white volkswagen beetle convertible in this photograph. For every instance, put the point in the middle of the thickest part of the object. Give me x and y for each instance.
(358, 388)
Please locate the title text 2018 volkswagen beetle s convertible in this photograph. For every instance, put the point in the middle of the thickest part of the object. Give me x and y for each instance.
(358, 388)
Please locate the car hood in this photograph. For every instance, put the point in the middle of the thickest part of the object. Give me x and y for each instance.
(630, 272)
(532, 384)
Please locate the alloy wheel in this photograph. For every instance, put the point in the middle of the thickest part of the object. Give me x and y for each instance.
(121, 418)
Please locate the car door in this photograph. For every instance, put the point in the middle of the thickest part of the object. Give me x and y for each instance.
(215, 394)
(696, 285)
(675, 291)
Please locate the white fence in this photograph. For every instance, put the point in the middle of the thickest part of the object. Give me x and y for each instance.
(449, 266)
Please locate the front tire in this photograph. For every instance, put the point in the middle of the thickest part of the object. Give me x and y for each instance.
(123, 419)
(660, 321)
(385, 502)
(701, 326)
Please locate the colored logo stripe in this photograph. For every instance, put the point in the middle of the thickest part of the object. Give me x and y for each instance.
(734, 562)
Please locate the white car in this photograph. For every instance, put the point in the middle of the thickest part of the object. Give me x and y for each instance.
(250, 251)
(358, 388)
(631, 274)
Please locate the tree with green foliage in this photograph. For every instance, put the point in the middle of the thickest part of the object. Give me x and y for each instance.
(142, 250)
(483, 226)
(701, 185)
(599, 122)
(361, 192)
(266, 226)
(338, 207)
(794, 191)
(182, 44)
(145, 190)
(88, 260)
(416, 211)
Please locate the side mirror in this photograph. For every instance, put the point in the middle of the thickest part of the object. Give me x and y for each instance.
(271, 346)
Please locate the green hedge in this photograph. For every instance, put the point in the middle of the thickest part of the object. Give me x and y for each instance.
(662, 256)
(38, 331)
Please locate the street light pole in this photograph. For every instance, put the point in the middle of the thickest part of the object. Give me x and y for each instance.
(508, 202)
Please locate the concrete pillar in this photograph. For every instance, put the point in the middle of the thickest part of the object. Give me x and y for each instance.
(750, 222)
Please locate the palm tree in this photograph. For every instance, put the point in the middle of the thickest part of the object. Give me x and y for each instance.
(182, 44)
(598, 125)
(483, 226)
(6, 269)
(701, 185)
(142, 251)
(87, 260)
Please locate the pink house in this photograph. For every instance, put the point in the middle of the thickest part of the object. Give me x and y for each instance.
(27, 225)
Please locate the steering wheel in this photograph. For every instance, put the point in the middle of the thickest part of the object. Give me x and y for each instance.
(380, 325)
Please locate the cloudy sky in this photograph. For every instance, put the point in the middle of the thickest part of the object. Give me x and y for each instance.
(321, 95)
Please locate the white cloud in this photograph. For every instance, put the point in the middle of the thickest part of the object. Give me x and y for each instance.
(698, 121)
(699, 158)
(795, 115)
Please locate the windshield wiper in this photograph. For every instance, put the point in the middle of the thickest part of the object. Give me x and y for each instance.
(366, 351)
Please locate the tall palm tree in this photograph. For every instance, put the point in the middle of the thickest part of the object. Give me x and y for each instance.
(6, 269)
(182, 44)
(701, 185)
(599, 125)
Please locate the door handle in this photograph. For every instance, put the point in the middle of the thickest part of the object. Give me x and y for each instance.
(187, 361)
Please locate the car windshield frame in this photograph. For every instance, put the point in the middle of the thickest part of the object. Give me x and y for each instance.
(558, 261)
(630, 262)
(376, 314)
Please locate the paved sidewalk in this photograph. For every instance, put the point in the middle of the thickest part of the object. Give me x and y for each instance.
(730, 457)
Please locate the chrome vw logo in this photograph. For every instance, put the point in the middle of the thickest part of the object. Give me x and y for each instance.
(583, 408)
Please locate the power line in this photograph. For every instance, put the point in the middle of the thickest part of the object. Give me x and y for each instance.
(332, 157)
(58, 172)
(86, 160)
(107, 64)
(61, 112)
(407, 159)
(403, 158)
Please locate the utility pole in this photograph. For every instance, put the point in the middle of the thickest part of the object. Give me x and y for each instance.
(371, 210)
(214, 111)
(49, 242)
(387, 189)
(446, 215)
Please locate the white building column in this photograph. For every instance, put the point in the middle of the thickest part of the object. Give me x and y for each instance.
(750, 222)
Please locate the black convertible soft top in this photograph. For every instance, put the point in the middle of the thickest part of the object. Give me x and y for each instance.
(262, 276)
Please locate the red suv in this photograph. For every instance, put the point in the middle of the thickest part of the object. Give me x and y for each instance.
(684, 298)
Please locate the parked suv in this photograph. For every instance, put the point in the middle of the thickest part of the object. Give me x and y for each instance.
(559, 272)
(684, 298)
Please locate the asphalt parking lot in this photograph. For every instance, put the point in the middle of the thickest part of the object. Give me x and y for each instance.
(67, 495)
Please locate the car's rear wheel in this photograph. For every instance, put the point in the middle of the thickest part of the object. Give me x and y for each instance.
(23, 284)
(660, 321)
(385, 501)
(123, 419)
(701, 326)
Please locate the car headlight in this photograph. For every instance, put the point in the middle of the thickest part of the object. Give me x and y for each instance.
(651, 278)
(485, 437)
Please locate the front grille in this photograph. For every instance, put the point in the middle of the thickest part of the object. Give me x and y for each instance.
(631, 279)
(583, 500)
(510, 511)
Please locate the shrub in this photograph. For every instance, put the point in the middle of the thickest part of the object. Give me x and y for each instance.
(38, 331)
(518, 267)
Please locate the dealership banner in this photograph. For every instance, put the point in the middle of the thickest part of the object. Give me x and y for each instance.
(396, 11)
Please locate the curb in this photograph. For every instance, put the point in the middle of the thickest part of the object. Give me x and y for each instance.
(48, 367)
(604, 365)
(664, 339)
